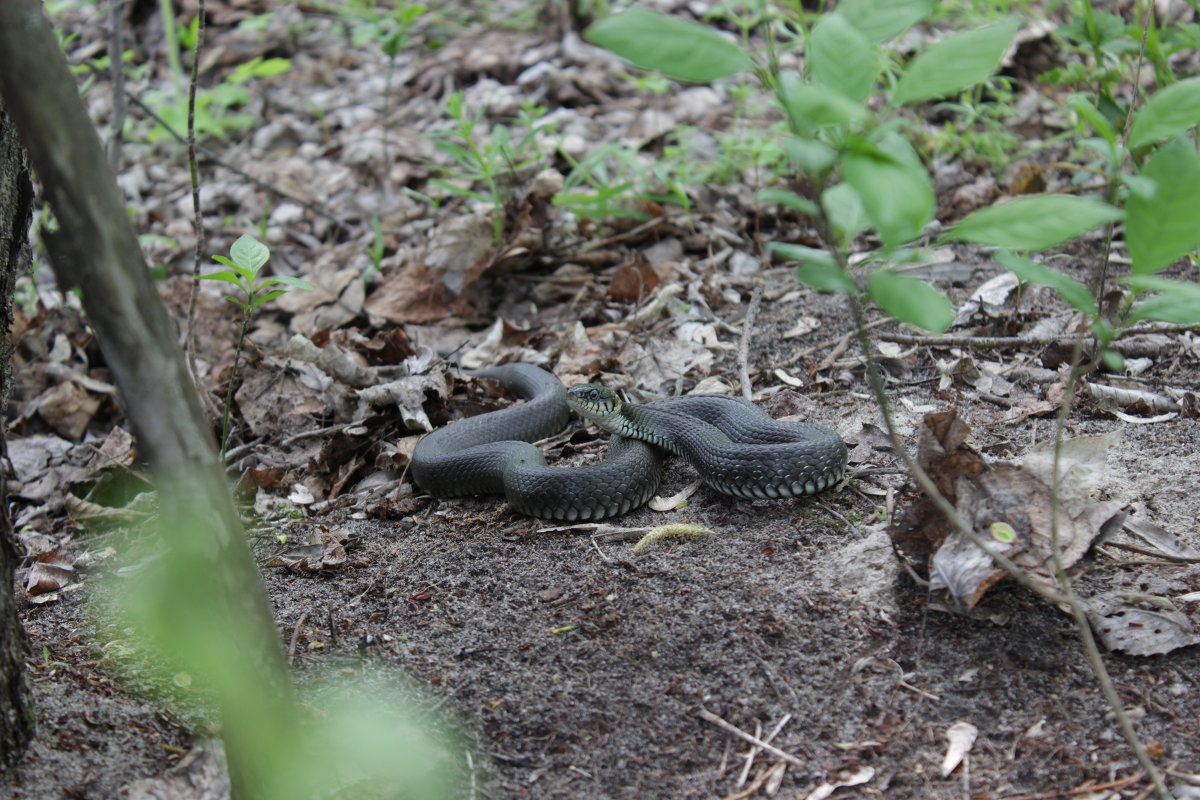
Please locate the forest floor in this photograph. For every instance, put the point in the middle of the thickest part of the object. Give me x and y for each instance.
(573, 667)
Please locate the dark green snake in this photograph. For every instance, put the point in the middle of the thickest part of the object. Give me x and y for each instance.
(736, 447)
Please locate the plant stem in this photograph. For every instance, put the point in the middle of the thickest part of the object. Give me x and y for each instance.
(237, 356)
(1086, 635)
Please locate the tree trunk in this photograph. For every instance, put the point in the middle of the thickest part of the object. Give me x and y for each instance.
(16, 206)
(96, 249)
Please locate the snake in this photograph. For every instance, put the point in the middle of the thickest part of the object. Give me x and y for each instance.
(737, 448)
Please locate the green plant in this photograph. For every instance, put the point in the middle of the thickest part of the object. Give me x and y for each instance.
(247, 258)
(860, 174)
(217, 108)
(503, 152)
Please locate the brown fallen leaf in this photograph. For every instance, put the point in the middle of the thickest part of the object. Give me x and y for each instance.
(414, 294)
(631, 283)
(319, 549)
(1009, 506)
(68, 408)
(51, 572)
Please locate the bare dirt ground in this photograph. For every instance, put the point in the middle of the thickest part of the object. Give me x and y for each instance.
(576, 668)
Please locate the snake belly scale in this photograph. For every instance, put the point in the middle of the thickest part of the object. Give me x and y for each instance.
(737, 448)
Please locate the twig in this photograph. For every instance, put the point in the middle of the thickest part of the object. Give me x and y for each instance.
(1086, 636)
(757, 783)
(743, 355)
(189, 337)
(736, 731)
(755, 749)
(1087, 788)
(295, 636)
(116, 72)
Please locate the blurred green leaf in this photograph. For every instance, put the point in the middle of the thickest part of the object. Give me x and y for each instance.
(1033, 223)
(1177, 302)
(911, 300)
(1163, 226)
(287, 280)
(845, 211)
(1074, 292)
(826, 278)
(1113, 360)
(802, 254)
(679, 48)
(955, 63)
(893, 186)
(883, 19)
(790, 199)
(842, 58)
(812, 157)
(1168, 113)
(1082, 106)
(810, 106)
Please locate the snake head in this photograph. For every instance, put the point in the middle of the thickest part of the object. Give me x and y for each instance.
(597, 403)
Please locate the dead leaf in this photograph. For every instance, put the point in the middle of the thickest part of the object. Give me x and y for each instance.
(1125, 623)
(1168, 544)
(413, 293)
(846, 777)
(408, 394)
(961, 736)
(52, 571)
(633, 282)
(319, 549)
(1007, 505)
(118, 450)
(200, 775)
(68, 408)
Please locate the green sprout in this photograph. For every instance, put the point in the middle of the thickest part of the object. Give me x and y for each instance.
(248, 256)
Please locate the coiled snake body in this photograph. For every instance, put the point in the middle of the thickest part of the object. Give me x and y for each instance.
(736, 447)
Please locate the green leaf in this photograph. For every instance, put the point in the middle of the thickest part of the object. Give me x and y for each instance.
(266, 298)
(678, 48)
(883, 19)
(1113, 360)
(223, 275)
(809, 106)
(802, 254)
(956, 62)
(1163, 226)
(287, 280)
(246, 274)
(812, 157)
(1168, 113)
(910, 300)
(1074, 292)
(845, 211)
(826, 278)
(893, 186)
(790, 199)
(842, 58)
(1082, 106)
(1033, 223)
(1003, 532)
(249, 253)
(1176, 302)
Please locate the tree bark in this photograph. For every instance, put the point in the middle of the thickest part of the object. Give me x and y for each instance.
(16, 208)
(97, 250)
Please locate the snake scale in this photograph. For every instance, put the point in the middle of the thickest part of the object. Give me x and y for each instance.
(736, 447)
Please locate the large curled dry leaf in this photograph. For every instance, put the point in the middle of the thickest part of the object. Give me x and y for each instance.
(1009, 506)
